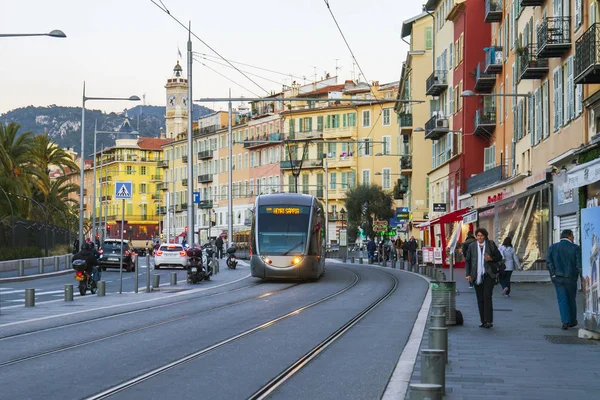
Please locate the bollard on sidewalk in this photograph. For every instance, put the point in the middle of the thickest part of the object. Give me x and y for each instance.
(68, 292)
(433, 367)
(21, 267)
(438, 321)
(40, 265)
(360, 260)
(147, 273)
(352, 259)
(425, 391)
(101, 288)
(29, 297)
(438, 339)
(173, 278)
(56, 263)
(155, 282)
(438, 310)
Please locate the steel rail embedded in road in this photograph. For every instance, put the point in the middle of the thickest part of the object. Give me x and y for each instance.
(160, 370)
(279, 380)
(141, 328)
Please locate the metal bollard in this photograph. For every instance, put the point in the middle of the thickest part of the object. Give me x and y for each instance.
(173, 278)
(56, 263)
(29, 297)
(21, 267)
(437, 321)
(438, 310)
(155, 282)
(433, 367)
(101, 288)
(40, 265)
(394, 264)
(360, 260)
(425, 391)
(438, 339)
(352, 259)
(147, 273)
(345, 260)
(68, 292)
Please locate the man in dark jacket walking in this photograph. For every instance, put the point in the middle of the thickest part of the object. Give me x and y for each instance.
(564, 265)
(412, 246)
(219, 244)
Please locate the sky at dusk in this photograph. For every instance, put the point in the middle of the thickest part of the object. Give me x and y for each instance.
(126, 47)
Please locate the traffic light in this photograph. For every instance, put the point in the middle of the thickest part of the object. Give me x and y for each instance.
(107, 227)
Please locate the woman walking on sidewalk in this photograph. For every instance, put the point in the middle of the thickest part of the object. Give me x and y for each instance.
(511, 260)
(483, 254)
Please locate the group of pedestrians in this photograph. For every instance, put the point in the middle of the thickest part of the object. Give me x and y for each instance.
(394, 249)
(487, 265)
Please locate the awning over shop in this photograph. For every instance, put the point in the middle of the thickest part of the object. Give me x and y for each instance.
(584, 174)
(450, 217)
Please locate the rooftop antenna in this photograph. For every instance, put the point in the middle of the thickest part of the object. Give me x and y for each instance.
(337, 67)
(354, 78)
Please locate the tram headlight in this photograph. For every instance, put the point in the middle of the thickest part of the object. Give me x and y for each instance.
(296, 260)
(267, 260)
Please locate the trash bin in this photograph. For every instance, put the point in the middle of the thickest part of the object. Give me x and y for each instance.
(444, 294)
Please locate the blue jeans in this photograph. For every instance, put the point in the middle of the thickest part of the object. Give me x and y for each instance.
(505, 280)
(566, 291)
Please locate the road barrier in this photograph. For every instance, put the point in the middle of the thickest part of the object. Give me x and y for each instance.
(425, 391)
(173, 278)
(433, 367)
(155, 282)
(68, 292)
(438, 339)
(101, 288)
(29, 297)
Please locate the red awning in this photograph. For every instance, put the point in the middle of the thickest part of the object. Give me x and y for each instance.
(453, 216)
(183, 234)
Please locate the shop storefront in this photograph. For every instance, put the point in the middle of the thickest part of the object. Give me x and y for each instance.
(565, 206)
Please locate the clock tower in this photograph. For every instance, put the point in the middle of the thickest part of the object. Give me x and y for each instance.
(177, 114)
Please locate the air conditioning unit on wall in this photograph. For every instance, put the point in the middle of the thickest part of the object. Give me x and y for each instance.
(442, 123)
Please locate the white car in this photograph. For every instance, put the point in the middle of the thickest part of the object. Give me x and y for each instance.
(171, 255)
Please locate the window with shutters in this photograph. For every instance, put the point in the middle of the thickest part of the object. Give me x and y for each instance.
(320, 123)
(366, 118)
(571, 88)
(386, 116)
(332, 180)
(291, 184)
(368, 147)
(557, 98)
(307, 124)
(331, 149)
(489, 157)
(578, 8)
(428, 38)
(366, 177)
(292, 126)
(545, 110)
(578, 100)
(451, 56)
(386, 178)
(451, 99)
(351, 179)
(538, 116)
(387, 144)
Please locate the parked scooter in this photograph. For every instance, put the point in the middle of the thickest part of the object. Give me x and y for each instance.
(231, 258)
(87, 276)
(208, 258)
(196, 272)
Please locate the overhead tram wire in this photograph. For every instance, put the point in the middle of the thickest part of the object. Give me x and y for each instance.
(249, 73)
(164, 9)
(222, 75)
(253, 66)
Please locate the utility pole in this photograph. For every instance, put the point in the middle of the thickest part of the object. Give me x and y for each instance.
(326, 203)
(190, 106)
(230, 177)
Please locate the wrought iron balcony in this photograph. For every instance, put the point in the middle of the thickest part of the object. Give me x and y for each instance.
(532, 3)
(106, 198)
(436, 128)
(162, 186)
(156, 196)
(493, 60)
(529, 65)
(485, 122)
(406, 164)
(587, 56)
(485, 178)
(205, 204)
(206, 178)
(318, 163)
(493, 11)
(163, 164)
(262, 140)
(205, 155)
(437, 83)
(156, 178)
(405, 120)
(184, 159)
(184, 182)
(554, 37)
(161, 210)
(484, 82)
(105, 179)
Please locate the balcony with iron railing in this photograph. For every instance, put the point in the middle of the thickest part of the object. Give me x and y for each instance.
(587, 56)
(493, 11)
(485, 122)
(315, 133)
(484, 82)
(205, 204)
(309, 163)
(436, 128)
(493, 60)
(343, 161)
(437, 83)
(340, 133)
(184, 159)
(162, 186)
(532, 3)
(406, 164)
(105, 179)
(529, 66)
(554, 37)
(205, 178)
(161, 210)
(156, 178)
(163, 164)
(262, 140)
(156, 196)
(486, 178)
(205, 155)
(405, 120)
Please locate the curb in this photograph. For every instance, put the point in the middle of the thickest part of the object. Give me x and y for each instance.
(36, 276)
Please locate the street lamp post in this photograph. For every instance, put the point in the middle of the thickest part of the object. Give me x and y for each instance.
(56, 33)
(81, 176)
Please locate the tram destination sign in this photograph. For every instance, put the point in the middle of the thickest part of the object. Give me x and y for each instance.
(285, 210)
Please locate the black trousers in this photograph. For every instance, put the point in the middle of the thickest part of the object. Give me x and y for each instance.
(484, 299)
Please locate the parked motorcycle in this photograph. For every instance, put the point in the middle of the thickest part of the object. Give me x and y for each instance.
(196, 272)
(231, 258)
(87, 277)
(208, 258)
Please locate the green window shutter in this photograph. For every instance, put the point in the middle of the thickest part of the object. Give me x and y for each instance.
(328, 121)
(428, 37)
(344, 124)
(129, 210)
(309, 125)
(300, 122)
(319, 151)
(291, 126)
(320, 123)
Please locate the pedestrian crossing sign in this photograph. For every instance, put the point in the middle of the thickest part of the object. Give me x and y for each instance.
(123, 190)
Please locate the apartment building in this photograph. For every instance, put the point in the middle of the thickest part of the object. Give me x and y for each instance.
(414, 150)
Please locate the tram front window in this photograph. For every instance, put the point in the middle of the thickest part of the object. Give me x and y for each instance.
(282, 230)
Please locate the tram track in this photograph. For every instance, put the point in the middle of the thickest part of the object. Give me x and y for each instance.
(195, 355)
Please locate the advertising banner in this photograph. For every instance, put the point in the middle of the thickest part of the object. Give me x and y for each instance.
(590, 260)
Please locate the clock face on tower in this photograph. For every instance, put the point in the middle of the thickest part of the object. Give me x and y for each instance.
(184, 101)
(171, 101)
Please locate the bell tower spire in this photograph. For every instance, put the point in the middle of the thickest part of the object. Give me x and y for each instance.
(177, 113)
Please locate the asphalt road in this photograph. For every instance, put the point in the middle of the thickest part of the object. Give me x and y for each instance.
(80, 360)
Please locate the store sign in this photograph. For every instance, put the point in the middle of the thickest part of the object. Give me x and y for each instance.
(584, 174)
(470, 218)
(495, 198)
(402, 213)
(437, 255)
(564, 194)
(439, 207)
(428, 255)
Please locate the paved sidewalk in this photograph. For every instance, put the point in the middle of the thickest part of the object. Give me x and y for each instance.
(524, 356)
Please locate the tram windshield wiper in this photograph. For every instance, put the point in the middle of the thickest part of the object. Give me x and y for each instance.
(293, 247)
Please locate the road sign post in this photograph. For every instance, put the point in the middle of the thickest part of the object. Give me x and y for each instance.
(123, 192)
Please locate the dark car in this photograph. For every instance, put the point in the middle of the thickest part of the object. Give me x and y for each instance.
(111, 253)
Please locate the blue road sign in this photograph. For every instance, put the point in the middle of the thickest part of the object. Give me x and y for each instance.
(123, 190)
(196, 197)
